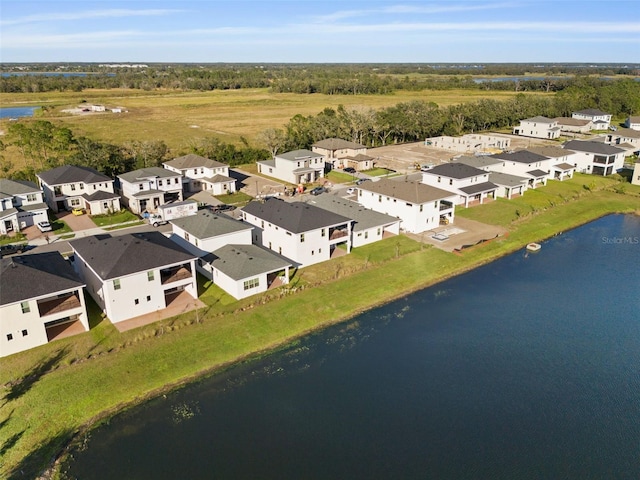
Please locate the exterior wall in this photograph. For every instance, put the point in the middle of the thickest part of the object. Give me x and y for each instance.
(370, 235)
(28, 218)
(469, 143)
(635, 179)
(620, 138)
(283, 169)
(415, 218)
(218, 188)
(101, 207)
(577, 128)
(632, 124)
(193, 179)
(13, 321)
(171, 185)
(71, 193)
(594, 118)
(537, 129)
(119, 304)
(454, 184)
(520, 169)
(340, 152)
(201, 247)
(585, 162)
(236, 288)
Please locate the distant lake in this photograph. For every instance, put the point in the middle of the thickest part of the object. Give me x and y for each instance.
(525, 368)
(17, 112)
(55, 74)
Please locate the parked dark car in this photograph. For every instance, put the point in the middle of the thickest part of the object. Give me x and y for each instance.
(222, 208)
(10, 249)
(350, 170)
(318, 190)
(360, 181)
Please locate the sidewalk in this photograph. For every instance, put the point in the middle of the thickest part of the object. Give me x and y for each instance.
(42, 240)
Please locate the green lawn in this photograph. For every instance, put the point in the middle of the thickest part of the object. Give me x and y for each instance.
(236, 198)
(52, 392)
(114, 218)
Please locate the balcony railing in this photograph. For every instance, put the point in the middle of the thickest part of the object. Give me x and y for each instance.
(174, 275)
(59, 304)
(336, 233)
(446, 206)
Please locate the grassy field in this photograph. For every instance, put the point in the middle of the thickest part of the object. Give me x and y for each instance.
(52, 393)
(180, 117)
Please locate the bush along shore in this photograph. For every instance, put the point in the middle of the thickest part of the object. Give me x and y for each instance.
(53, 395)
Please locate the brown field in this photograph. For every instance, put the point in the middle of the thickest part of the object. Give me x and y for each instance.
(180, 117)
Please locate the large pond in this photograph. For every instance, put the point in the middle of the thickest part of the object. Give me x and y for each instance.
(17, 112)
(527, 368)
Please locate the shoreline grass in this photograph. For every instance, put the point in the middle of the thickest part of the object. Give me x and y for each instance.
(53, 395)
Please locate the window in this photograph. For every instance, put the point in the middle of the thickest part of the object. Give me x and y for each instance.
(195, 171)
(175, 180)
(82, 186)
(186, 236)
(451, 181)
(302, 238)
(159, 183)
(32, 197)
(253, 283)
(421, 207)
(136, 301)
(150, 275)
(25, 307)
(380, 198)
(439, 179)
(366, 235)
(148, 298)
(313, 252)
(73, 187)
(140, 186)
(9, 336)
(24, 333)
(322, 232)
(116, 284)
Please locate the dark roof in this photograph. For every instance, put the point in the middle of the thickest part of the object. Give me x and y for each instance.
(574, 122)
(455, 170)
(364, 218)
(537, 173)
(539, 119)
(592, 147)
(194, 161)
(594, 112)
(13, 187)
(113, 257)
(35, 275)
(337, 144)
(550, 151)
(72, 174)
(506, 179)
(99, 195)
(150, 172)
(564, 166)
(206, 224)
(298, 155)
(478, 162)
(478, 188)
(296, 217)
(245, 261)
(413, 192)
(218, 179)
(521, 156)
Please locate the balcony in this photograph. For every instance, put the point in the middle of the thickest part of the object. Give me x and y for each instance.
(445, 205)
(176, 274)
(337, 233)
(59, 304)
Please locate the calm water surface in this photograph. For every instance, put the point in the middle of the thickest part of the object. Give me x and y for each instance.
(527, 368)
(16, 112)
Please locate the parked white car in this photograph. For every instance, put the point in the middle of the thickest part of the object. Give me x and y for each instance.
(44, 226)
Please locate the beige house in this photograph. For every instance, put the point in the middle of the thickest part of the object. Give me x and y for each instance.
(633, 123)
(342, 154)
(574, 125)
(635, 179)
(470, 143)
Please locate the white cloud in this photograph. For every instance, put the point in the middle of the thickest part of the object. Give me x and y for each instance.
(88, 14)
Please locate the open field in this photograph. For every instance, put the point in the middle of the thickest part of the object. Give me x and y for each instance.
(51, 393)
(179, 117)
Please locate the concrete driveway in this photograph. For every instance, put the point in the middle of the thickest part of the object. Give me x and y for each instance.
(255, 185)
(76, 222)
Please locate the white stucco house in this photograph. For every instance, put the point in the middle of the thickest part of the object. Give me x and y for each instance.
(420, 207)
(632, 122)
(41, 299)
(134, 274)
(538, 127)
(341, 154)
(202, 174)
(301, 232)
(601, 120)
(368, 225)
(625, 138)
(297, 166)
(509, 186)
(574, 125)
(470, 143)
(597, 158)
(562, 166)
(21, 205)
(70, 186)
(469, 185)
(525, 163)
(146, 189)
(635, 177)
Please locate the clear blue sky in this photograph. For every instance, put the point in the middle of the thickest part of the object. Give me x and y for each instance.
(320, 31)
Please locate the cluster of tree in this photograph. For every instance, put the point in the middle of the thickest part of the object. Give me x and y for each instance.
(44, 145)
(308, 78)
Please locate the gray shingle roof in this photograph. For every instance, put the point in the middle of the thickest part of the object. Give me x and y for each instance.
(564, 166)
(35, 275)
(539, 119)
(550, 151)
(537, 173)
(594, 112)
(478, 188)
(144, 173)
(412, 192)
(99, 195)
(521, 156)
(592, 147)
(506, 179)
(337, 144)
(364, 218)
(479, 162)
(295, 217)
(245, 261)
(13, 187)
(194, 161)
(114, 257)
(72, 174)
(206, 224)
(574, 122)
(455, 170)
(299, 155)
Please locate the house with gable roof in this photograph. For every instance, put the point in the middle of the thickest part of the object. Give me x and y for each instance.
(420, 207)
(69, 186)
(538, 127)
(134, 274)
(342, 153)
(297, 166)
(632, 122)
(301, 232)
(202, 174)
(562, 167)
(596, 158)
(525, 163)
(625, 138)
(21, 205)
(41, 300)
(574, 125)
(146, 189)
(469, 185)
(601, 120)
(368, 225)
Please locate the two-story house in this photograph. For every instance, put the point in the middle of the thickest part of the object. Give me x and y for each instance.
(134, 274)
(298, 166)
(419, 207)
(595, 157)
(562, 167)
(601, 120)
(298, 231)
(538, 127)
(625, 138)
(70, 186)
(146, 189)
(341, 154)
(632, 122)
(574, 125)
(469, 185)
(21, 205)
(368, 225)
(202, 174)
(41, 300)
(509, 186)
(525, 163)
